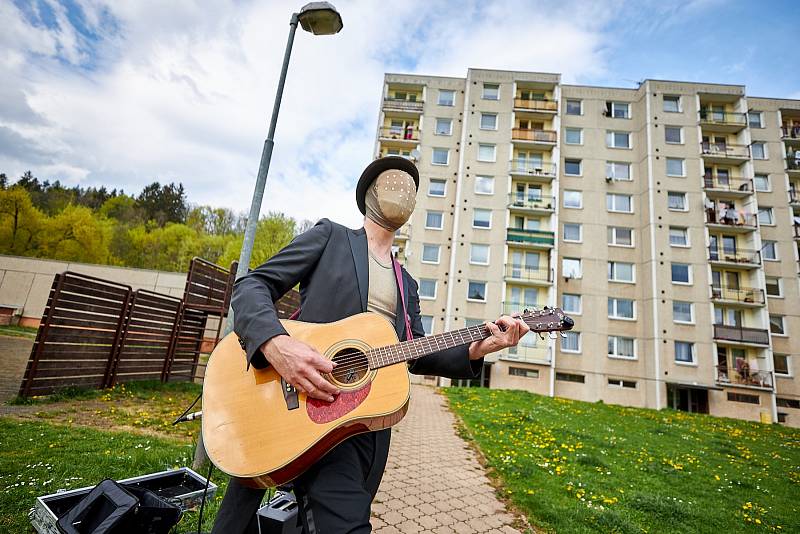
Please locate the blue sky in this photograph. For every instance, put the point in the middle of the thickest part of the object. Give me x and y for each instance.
(121, 93)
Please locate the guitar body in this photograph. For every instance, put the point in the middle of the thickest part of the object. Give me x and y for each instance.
(249, 430)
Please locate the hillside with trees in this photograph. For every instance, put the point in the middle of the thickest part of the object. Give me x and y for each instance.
(156, 229)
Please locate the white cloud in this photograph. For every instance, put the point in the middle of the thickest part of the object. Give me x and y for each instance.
(183, 90)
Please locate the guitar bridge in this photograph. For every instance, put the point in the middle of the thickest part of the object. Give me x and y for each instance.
(289, 395)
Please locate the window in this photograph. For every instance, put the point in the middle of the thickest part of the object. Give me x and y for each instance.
(572, 167)
(758, 150)
(573, 199)
(620, 383)
(434, 220)
(573, 136)
(755, 119)
(621, 347)
(676, 201)
(761, 182)
(673, 135)
(681, 273)
(571, 267)
(781, 364)
(678, 236)
(479, 254)
(437, 188)
(427, 324)
(527, 373)
(618, 110)
(572, 341)
(427, 288)
(572, 232)
(441, 156)
(491, 91)
(620, 203)
(487, 152)
(569, 377)
(618, 139)
(481, 218)
(476, 291)
(430, 253)
(620, 308)
(675, 167)
(741, 397)
(769, 250)
(447, 97)
(620, 271)
(618, 170)
(444, 126)
(488, 121)
(672, 104)
(776, 325)
(682, 312)
(620, 236)
(788, 403)
(765, 216)
(571, 303)
(574, 107)
(684, 352)
(484, 185)
(773, 286)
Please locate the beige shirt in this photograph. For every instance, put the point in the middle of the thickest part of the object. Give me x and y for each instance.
(382, 297)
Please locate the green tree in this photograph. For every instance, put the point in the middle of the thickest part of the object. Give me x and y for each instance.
(20, 222)
(77, 234)
(3, 181)
(163, 204)
(273, 232)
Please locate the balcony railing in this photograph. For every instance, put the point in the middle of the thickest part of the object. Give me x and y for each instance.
(709, 116)
(731, 217)
(510, 306)
(533, 169)
(741, 334)
(794, 196)
(790, 131)
(531, 202)
(725, 150)
(796, 229)
(536, 105)
(743, 376)
(401, 134)
(522, 273)
(734, 255)
(746, 295)
(744, 185)
(538, 136)
(793, 164)
(533, 237)
(403, 105)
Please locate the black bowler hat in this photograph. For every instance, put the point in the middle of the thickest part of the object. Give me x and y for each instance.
(378, 166)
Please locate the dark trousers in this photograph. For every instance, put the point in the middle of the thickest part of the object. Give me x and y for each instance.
(339, 490)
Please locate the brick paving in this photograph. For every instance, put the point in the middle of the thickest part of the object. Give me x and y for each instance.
(433, 481)
(14, 352)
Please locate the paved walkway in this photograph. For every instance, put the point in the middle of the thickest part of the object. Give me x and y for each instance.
(14, 352)
(433, 482)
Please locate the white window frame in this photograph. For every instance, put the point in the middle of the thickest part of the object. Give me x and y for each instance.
(615, 195)
(435, 289)
(449, 126)
(774, 244)
(619, 383)
(613, 242)
(580, 196)
(493, 85)
(780, 287)
(788, 372)
(614, 309)
(679, 104)
(768, 180)
(580, 106)
(611, 170)
(691, 312)
(438, 254)
(759, 114)
(579, 311)
(488, 253)
(483, 177)
(433, 156)
(685, 232)
(685, 201)
(764, 150)
(434, 227)
(683, 167)
(580, 136)
(480, 124)
(564, 232)
(680, 135)
(423, 318)
(692, 353)
(766, 209)
(617, 356)
(612, 108)
(485, 290)
(474, 212)
(612, 266)
(611, 139)
(564, 273)
(688, 268)
(580, 167)
(439, 97)
(580, 342)
(437, 181)
(783, 325)
(494, 153)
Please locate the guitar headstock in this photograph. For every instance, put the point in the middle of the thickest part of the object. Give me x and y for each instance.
(547, 320)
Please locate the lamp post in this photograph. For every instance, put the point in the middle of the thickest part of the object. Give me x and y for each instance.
(319, 18)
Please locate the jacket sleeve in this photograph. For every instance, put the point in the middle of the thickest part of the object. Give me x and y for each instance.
(449, 363)
(255, 319)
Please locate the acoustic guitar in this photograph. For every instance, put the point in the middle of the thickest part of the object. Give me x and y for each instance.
(258, 428)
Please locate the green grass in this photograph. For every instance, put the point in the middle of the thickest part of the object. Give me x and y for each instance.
(18, 331)
(572, 466)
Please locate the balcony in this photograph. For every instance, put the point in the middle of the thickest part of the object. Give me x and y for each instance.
(537, 354)
(530, 238)
(727, 187)
(540, 276)
(403, 105)
(744, 377)
(741, 334)
(730, 257)
(731, 220)
(723, 121)
(549, 107)
(794, 198)
(529, 137)
(724, 153)
(403, 233)
(796, 229)
(401, 135)
(745, 296)
(790, 134)
(531, 204)
(540, 172)
(793, 165)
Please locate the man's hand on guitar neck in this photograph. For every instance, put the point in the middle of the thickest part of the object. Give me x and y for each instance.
(301, 366)
(506, 332)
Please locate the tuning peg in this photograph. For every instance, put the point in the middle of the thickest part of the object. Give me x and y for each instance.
(552, 335)
(563, 334)
(526, 310)
(541, 336)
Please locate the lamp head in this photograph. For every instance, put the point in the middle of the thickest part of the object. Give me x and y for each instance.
(320, 18)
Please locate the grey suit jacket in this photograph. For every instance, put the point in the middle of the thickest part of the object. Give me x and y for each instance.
(330, 262)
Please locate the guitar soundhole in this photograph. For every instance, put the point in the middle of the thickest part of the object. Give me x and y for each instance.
(351, 366)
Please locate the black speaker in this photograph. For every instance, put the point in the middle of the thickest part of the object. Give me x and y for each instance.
(279, 515)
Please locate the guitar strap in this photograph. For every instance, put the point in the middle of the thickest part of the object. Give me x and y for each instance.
(399, 275)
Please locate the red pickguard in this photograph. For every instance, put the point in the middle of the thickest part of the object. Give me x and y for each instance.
(347, 401)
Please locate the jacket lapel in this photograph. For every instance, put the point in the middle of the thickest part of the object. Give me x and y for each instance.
(400, 320)
(358, 246)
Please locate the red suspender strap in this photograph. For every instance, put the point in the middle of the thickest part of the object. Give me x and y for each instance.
(399, 275)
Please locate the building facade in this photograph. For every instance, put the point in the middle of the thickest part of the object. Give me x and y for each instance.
(665, 220)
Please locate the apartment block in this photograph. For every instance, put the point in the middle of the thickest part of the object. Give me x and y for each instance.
(665, 220)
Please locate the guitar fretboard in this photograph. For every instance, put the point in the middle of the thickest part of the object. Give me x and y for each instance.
(422, 346)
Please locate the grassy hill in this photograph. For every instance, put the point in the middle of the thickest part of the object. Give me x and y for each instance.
(573, 466)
